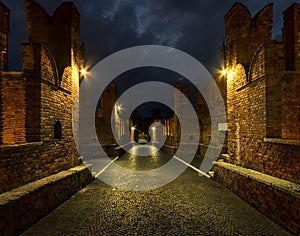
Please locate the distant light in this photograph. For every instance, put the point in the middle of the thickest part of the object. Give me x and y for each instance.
(83, 72)
(133, 128)
(118, 107)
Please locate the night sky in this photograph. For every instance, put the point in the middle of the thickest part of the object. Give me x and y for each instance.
(107, 26)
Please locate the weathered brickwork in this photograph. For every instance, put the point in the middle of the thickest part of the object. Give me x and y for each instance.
(59, 32)
(23, 206)
(278, 199)
(37, 104)
(13, 114)
(39, 162)
(262, 99)
(4, 30)
(172, 125)
(104, 114)
(290, 105)
(207, 129)
(263, 105)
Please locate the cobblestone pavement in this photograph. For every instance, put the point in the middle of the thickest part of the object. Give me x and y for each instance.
(190, 205)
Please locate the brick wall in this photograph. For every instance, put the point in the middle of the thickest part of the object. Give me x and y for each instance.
(104, 115)
(24, 206)
(37, 105)
(59, 32)
(4, 30)
(276, 198)
(290, 109)
(24, 163)
(13, 108)
(262, 100)
(244, 34)
(291, 37)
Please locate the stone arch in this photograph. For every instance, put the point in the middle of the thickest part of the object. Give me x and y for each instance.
(53, 65)
(254, 63)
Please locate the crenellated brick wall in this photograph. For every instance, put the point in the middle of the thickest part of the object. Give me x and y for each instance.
(262, 100)
(37, 104)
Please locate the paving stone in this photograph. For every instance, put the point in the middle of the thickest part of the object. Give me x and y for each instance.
(190, 205)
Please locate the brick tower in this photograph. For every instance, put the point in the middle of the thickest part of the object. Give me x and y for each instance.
(51, 61)
(4, 30)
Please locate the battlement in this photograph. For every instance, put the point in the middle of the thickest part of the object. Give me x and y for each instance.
(36, 104)
(4, 30)
(291, 37)
(263, 78)
(4, 16)
(59, 33)
(244, 33)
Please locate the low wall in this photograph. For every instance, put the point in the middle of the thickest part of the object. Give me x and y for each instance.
(24, 163)
(278, 199)
(22, 207)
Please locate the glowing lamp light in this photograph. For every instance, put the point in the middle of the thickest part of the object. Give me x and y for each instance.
(83, 72)
(224, 72)
(118, 107)
(133, 128)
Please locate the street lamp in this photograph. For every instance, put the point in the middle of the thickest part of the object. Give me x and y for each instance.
(83, 72)
(153, 135)
(224, 72)
(118, 121)
(119, 107)
(132, 133)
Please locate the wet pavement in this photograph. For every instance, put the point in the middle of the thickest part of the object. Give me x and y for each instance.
(189, 205)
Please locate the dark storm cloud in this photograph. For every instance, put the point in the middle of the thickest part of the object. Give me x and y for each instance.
(194, 26)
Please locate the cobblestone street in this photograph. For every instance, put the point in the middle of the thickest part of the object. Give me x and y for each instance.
(190, 205)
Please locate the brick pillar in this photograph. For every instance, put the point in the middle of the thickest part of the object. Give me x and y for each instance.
(291, 37)
(32, 70)
(4, 30)
(1, 122)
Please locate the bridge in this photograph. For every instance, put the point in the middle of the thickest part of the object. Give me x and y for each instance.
(251, 186)
(190, 205)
